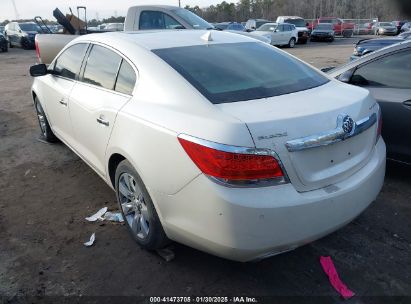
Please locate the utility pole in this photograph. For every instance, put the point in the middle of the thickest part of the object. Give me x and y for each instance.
(15, 10)
(179, 3)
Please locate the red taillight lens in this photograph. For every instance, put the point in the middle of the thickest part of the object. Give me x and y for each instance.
(232, 166)
(37, 49)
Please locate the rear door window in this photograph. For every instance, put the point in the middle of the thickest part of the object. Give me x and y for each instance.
(126, 79)
(102, 67)
(69, 62)
(391, 71)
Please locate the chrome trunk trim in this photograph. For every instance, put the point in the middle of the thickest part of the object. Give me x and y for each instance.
(332, 136)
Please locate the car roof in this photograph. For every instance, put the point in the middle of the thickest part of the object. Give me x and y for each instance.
(160, 39)
(405, 44)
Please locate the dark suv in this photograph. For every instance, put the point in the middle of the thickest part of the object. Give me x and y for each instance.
(21, 34)
(3, 43)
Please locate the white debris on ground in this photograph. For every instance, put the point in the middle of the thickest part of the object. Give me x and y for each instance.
(97, 216)
(113, 217)
(91, 241)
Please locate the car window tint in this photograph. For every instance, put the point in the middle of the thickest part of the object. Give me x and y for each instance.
(126, 79)
(101, 68)
(69, 62)
(390, 71)
(217, 71)
(150, 20)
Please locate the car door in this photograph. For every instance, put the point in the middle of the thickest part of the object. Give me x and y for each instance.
(389, 81)
(57, 87)
(106, 85)
(287, 34)
(276, 36)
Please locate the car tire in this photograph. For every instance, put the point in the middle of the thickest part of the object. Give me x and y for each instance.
(44, 125)
(137, 208)
(8, 39)
(24, 44)
(291, 43)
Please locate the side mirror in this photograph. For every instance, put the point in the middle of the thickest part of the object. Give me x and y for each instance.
(346, 76)
(19, 31)
(38, 70)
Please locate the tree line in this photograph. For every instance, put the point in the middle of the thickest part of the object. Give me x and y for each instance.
(386, 10)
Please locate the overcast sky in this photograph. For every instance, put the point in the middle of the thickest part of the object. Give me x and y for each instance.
(104, 8)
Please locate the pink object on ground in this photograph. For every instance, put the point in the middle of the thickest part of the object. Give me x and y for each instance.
(329, 269)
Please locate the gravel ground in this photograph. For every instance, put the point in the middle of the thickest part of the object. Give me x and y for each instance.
(46, 191)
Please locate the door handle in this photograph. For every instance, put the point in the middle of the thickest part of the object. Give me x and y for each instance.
(63, 102)
(102, 121)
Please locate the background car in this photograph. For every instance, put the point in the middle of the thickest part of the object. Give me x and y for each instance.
(4, 44)
(280, 34)
(385, 28)
(21, 34)
(323, 32)
(363, 29)
(406, 27)
(399, 25)
(300, 24)
(367, 46)
(1, 29)
(253, 24)
(405, 35)
(229, 26)
(387, 75)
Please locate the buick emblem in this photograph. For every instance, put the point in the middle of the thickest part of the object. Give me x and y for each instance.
(348, 124)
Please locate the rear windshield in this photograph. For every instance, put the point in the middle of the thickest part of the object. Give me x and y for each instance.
(240, 71)
(324, 26)
(268, 27)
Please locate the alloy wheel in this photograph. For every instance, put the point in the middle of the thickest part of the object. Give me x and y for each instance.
(41, 118)
(134, 206)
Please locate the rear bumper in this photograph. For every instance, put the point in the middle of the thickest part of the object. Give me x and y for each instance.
(249, 224)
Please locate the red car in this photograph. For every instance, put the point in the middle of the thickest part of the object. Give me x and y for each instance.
(341, 28)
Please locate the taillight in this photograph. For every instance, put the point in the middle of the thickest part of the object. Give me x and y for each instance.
(233, 165)
(379, 127)
(36, 43)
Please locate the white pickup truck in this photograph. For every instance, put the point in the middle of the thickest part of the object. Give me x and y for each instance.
(142, 17)
(153, 17)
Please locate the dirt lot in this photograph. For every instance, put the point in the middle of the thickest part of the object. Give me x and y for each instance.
(46, 191)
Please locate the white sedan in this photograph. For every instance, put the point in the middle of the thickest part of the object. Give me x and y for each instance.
(205, 144)
(280, 34)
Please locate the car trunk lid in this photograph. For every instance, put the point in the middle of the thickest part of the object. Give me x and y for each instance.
(280, 123)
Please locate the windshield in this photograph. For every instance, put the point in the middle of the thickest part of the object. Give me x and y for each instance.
(192, 19)
(296, 22)
(236, 27)
(29, 27)
(222, 75)
(260, 23)
(325, 21)
(386, 24)
(221, 26)
(324, 27)
(268, 27)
